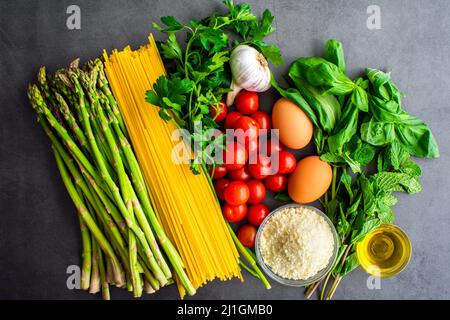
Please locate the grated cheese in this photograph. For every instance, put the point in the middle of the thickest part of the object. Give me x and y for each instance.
(296, 243)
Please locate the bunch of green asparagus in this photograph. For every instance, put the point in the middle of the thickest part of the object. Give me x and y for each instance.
(123, 242)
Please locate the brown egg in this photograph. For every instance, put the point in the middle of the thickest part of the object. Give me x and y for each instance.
(310, 180)
(296, 129)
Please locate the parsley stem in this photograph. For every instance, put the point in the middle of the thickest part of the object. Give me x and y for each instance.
(189, 111)
(186, 53)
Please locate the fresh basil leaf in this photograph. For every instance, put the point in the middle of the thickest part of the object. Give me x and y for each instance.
(377, 133)
(361, 152)
(378, 80)
(418, 140)
(345, 129)
(334, 52)
(325, 106)
(360, 99)
(319, 139)
(295, 96)
(319, 72)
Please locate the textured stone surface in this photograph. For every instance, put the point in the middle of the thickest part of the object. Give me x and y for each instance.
(39, 235)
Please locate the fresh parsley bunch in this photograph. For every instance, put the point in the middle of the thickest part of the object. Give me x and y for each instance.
(200, 75)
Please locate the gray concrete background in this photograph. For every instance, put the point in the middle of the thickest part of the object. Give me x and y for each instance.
(39, 234)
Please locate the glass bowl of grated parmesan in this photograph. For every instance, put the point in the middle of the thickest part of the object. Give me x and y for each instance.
(296, 245)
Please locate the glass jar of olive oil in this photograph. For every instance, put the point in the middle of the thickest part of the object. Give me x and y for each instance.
(385, 251)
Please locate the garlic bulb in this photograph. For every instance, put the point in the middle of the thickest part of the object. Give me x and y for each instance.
(250, 71)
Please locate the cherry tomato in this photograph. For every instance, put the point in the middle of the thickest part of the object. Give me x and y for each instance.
(263, 119)
(236, 193)
(257, 213)
(252, 147)
(266, 147)
(241, 174)
(247, 102)
(219, 109)
(231, 119)
(247, 235)
(220, 186)
(247, 130)
(249, 126)
(257, 191)
(219, 172)
(273, 146)
(234, 213)
(286, 162)
(235, 156)
(276, 183)
(261, 168)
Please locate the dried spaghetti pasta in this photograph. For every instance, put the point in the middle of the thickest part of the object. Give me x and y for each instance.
(184, 203)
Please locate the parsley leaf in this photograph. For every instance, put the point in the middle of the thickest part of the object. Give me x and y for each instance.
(265, 26)
(172, 49)
(173, 25)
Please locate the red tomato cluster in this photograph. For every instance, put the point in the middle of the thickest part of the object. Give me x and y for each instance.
(242, 186)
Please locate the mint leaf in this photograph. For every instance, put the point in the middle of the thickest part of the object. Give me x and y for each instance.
(367, 227)
(396, 182)
(411, 168)
(332, 158)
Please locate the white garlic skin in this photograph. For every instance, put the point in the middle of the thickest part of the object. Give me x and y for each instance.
(250, 71)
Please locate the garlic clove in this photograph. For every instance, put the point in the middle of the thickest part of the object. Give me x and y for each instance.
(231, 95)
(250, 71)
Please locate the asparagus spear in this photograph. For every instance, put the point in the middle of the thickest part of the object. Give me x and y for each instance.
(103, 279)
(104, 140)
(94, 286)
(85, 215)
(86, 256)
(124, 182)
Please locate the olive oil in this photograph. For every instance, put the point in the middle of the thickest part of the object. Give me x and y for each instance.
(385, 251)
